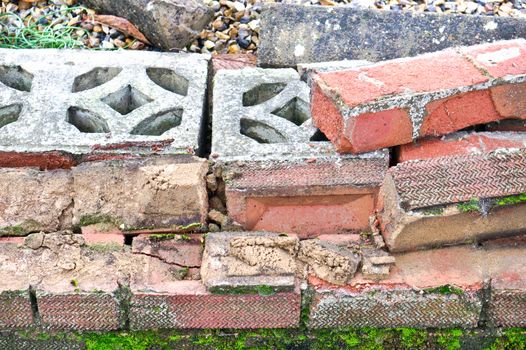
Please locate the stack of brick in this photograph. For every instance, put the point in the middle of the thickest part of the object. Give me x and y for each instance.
(447, 186)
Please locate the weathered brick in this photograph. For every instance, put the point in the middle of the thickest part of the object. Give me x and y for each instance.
(15, 309)
(499, 59)
(439, 289)
(43, 161)
(460, 144)
(102, 233)
(249, 260)
(187, 304)
(279, 172)
(423, 203)
(385, 104)
(79, 311)
(507, 305)
(172, 249)
(34, 200)
(508, 125)
(161, 191)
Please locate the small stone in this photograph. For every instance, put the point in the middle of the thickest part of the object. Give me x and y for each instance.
(213, 228)
(209, 44)
(234, 48)
(218, 217)
(35, 240)
(119, 43)
(211, 182)
(239, 6)
(97, 29)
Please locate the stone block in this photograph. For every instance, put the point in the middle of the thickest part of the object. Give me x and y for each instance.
(164, 191)
(456, 199)
(292, 34)
(461, 143)
(99, 104)
(281, 174)
(383, 105)
(187, 304)
(34, 200)
(249, 260)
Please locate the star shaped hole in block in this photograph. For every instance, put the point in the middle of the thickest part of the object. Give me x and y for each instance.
(126, 100)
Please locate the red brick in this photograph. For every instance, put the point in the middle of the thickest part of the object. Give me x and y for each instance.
(369, 107)
(372, 131)
(187, 304)
(305, 198)
(508, 125)
(500, 58)
(425, 73)
(507, 306)
(12, 240)
(328, 119)
(43, 161)
(460, 144)
(457, 112)
(15, 310)
(232, 61)
(78, 311)
(406, 298)
(172, 250)
(510, 100)
(102, 234)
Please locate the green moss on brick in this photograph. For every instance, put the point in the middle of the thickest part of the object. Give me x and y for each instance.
(510, 200)
(471, 206)
(93, 219)
(445, 290)
(262, 290)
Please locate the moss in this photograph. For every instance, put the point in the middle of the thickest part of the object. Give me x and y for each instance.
(20, 230)
(161, 236)
(433, 211)
(105, 247)
(445, 290)
(277, 339)
(93, 219)
(262, 290)
(449, 339)
(510, 200)
(471, 206)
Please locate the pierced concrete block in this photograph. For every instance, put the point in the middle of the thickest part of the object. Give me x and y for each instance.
(86, 101)
(248, 260)
(280, 172)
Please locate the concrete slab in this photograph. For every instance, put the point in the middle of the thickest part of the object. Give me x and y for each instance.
(88, 101)
(292, 34)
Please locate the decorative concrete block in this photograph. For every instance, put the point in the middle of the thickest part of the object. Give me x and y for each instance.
(281, 174)
(85, 102)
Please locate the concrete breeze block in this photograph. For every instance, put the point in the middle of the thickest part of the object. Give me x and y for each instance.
(87, 101)
(455, 199)
(281, 174)
(384, 105)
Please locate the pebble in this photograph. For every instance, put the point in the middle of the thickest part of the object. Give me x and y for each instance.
(236, 24)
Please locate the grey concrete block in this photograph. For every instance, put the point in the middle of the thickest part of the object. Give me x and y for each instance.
(86, 101)
(264, 114)
(293, 34)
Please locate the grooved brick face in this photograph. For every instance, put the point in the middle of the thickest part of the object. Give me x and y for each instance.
(430, 72)
(460, 144)
(499, 59)
(15, 311)
(457, 112)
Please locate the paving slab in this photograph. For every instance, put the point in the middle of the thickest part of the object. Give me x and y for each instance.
(456, 199)
(84, 102)
(281, 174)
(292, 34)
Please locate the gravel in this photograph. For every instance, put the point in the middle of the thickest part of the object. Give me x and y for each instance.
(235, 28)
